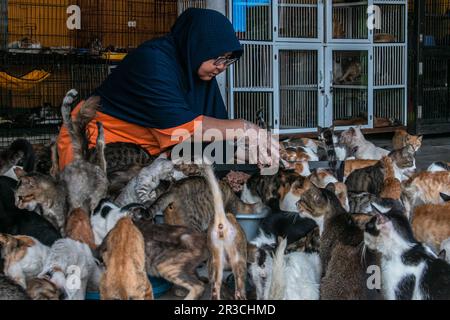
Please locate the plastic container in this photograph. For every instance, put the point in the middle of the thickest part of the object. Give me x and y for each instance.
(159, 285)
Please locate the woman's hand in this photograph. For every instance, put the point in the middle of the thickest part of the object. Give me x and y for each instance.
(259, 145)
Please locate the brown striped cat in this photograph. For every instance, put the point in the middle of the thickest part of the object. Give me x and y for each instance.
(189, 202)
(402, 139)
(355, 164)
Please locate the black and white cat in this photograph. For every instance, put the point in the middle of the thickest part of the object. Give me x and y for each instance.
(409, 269)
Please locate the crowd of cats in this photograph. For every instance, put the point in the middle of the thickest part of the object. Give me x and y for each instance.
(368, 226)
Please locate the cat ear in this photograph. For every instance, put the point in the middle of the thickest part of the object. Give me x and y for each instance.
(331, 187)
(420, 138)
(442, 254)
(444, 196)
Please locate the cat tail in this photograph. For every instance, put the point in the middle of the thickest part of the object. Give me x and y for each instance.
(219, 210)
(19, 150)
(388, 167)
(339, 171)
(87, 113)
(66, 109)
(277, 284)
(100, 147)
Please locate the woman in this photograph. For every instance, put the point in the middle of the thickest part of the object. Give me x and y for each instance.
(168, 84)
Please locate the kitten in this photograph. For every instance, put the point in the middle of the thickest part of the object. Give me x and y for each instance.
(361, 202)
(23, 257)
(402, 139)
(227, 244)
(344, 276)
(66, 259)
(142, 188)
(365, 150)
(9, 290)
(86, 182)
(188, 203)
(124, 249)
(409, 269)
(36, 189)
(431, 224)
(174, 253)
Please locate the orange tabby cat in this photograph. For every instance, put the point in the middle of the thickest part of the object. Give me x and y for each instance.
(425, 187)
(392, 188)
(402, 139)
(431, 223)
(352, 165)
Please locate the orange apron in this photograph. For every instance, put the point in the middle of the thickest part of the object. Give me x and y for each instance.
(154, 141)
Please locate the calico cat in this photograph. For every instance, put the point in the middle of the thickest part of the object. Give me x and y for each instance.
(341, 250)
(410, 270)
(227, 244)
(402, 139)
(174, 253)
(280, 191)
(431, 224)
(9, 290)
(124, 249)
(188, 203)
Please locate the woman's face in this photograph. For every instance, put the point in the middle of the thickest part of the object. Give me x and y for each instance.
(208, 70)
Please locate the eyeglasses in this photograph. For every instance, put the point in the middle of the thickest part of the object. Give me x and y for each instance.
(225, 61)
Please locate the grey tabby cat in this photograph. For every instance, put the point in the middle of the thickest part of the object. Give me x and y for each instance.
(189, 202)
(9, 290)
(143, 188)
(87, 183)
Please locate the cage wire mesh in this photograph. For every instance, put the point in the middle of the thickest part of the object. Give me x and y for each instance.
(297, 18)
(252, 19)
(437, 23)
(247, 105)
(436, 90)
(298, 88)
(32, 88)
(350, 92)
(349, 19)
(392, 24)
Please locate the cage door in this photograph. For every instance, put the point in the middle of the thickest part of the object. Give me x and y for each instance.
(299, 20)
(348, 21)
(349, 86)
(300, 80)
